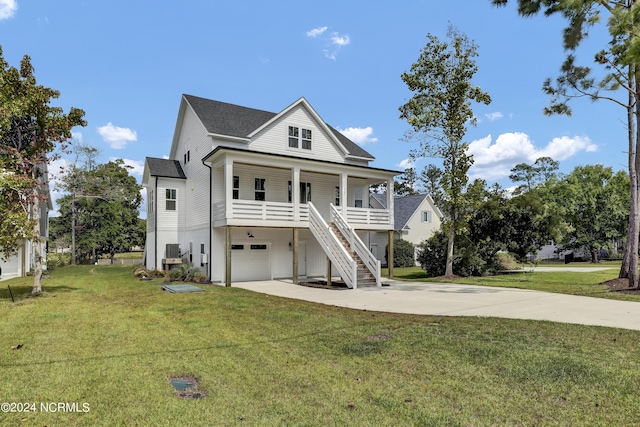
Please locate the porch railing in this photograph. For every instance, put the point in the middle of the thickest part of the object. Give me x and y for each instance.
(357, 245)
(341, 259)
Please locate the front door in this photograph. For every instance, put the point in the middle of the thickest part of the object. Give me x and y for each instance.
(302, 258)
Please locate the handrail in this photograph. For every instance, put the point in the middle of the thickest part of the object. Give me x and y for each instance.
(344, 262)
(357, 245)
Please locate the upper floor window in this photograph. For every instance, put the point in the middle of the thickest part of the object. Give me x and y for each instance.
(150, 208)
(236, 187)
(260, 191)
(337, 196)
(171, 199)
(187, 156)
(293, 137)
(358, 198)
(296, 134)
(426, 216)
(306, 139)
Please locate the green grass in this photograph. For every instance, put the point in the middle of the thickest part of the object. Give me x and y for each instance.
(99, 336)
(588, 283)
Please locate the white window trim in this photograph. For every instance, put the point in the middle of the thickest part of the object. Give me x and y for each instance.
(300, 139)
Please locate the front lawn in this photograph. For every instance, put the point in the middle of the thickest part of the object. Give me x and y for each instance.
(102, 338)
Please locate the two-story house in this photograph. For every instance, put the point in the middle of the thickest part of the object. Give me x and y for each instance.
(252, 195)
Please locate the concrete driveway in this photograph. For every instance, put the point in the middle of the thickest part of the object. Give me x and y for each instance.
(446, 299)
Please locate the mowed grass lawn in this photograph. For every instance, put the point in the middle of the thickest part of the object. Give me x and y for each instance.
(102, 338)
(587, 283)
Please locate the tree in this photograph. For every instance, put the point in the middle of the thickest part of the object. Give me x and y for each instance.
(543, 170)
(430, 178)
(619, 60)
(406, 185)
(31, 132)
(102, 211)
(596, 203)
(438, 113)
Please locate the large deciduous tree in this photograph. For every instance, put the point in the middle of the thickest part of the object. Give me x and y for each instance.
(31, 132)
(438, 113)
(618, 81)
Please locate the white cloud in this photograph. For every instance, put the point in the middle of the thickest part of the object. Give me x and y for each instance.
(333, 42)
(406, 164)
(493, 116)
(317, 31)
(76, 136)
(495, 160)
(339, 40)
(8, 8)
(360, 136)
(117, 137)
(137, 166)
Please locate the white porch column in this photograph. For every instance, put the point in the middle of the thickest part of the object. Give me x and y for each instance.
(228, 187)
(390, 199)
(295, 192)
(343, 194)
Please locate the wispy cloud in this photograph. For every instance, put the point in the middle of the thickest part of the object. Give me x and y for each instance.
(493, 116)
(8, 8)
(317, 31)
(406, 164)
(494, 160)
(360, 136)
(117, 137)
(333, 42)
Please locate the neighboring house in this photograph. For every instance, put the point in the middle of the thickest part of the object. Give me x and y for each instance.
(23, 261)
(416, 218)
(251, 195)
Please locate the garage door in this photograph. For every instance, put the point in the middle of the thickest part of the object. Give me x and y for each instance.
(250, 262)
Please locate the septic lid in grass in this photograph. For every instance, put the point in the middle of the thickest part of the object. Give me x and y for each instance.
(187, 387)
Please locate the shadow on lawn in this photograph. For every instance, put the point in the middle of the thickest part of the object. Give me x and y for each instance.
(20, 292)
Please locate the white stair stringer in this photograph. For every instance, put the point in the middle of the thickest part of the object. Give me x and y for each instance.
(333, 247)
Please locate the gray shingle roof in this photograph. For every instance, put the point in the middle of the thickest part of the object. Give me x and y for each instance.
(403, 207)
(233, 120)
(165, 168)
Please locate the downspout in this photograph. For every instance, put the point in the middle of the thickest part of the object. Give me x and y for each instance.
(209, 258)
(155, 225)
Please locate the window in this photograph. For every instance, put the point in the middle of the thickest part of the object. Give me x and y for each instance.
(236, 187)
(305, 192)
(187, 156)
(358, 198)
(260, 192)
(337, 196)
(293, 137)
(426, 216)
(171, 199)
(150, 208)
(306, 139)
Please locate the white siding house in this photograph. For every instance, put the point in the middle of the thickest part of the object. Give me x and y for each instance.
(248, 194)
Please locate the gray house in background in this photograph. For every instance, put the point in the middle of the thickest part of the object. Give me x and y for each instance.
(416, 218)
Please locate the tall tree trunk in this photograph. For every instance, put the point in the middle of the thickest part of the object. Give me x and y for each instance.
(37, 244)
(452, 235)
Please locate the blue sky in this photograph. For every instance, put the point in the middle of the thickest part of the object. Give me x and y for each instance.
(127, 63)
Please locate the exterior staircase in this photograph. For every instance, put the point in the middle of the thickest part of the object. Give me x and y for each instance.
(365, 277)
(353, 260)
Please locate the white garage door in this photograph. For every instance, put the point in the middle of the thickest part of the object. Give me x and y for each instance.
(250, 262)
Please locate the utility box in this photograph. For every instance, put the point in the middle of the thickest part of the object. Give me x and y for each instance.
(204, 259)
(173, 250)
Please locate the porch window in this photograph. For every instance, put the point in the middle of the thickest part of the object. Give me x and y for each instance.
(236, 187)
(358, 198)
(260, 192)
(306, 139)
(171, 198)
(305, 192)
(337, 203)
(293, 137)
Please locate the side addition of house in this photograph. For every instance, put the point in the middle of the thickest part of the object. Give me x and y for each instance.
(250, 195)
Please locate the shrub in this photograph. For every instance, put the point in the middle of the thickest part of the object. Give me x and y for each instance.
(507, 261)
(403, 253)
(55, 260)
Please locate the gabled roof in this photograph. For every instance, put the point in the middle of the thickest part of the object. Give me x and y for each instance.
(404, 207)
(165, 168)
(221, 118)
